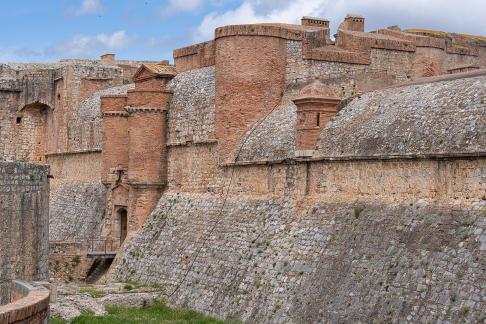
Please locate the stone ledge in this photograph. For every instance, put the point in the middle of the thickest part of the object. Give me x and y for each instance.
(115, 113)
(445, 156)
(30, 303)
(74, 152)
(289, 32)
(145, 109)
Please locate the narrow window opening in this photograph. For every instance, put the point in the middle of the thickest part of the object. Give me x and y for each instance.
(18, 120)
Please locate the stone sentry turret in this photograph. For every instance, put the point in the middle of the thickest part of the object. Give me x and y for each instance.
(316, 105)
(134, 147)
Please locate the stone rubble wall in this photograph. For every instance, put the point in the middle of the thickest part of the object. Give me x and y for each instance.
(191, 115)
(24, 223)
(339, 241)
(78, 200)
(274, 259)
(444, 117)
(84, 129)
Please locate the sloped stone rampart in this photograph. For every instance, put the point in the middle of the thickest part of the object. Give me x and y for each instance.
(272, 259)
(339, 241)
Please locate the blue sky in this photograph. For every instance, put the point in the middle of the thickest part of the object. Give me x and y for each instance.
(48, 30)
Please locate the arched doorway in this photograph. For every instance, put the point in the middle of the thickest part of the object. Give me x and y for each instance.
(123, 219)
(31, 129)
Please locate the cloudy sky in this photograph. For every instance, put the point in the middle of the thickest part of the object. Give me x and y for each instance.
(48, 30)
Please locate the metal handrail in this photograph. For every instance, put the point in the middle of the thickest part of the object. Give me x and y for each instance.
(103, 246)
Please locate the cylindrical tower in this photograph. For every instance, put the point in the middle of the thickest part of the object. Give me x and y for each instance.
(250, 80)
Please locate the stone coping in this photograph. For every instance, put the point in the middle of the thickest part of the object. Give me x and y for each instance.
(390, 157)
(289, 32)
(31, 307)
(443, 77)
(74, 152)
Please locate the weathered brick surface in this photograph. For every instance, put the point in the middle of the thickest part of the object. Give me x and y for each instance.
(29, 304)
(24, 214)
(249, 85)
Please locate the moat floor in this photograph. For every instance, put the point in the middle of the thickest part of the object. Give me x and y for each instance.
(156, 313)
(128, 302)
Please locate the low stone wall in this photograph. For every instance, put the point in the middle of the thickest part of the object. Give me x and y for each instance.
(29, 304)
(68, 261)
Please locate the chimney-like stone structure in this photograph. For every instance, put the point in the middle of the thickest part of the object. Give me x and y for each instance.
(314, 22)
(353, 23)
(108, 58)
(134, 146)
(316, 105)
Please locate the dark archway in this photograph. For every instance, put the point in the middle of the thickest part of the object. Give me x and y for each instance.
(123, 218)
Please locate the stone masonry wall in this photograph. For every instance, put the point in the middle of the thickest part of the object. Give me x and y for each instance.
(271, 259)
(78, 201)
(331, 241)
(24, 212)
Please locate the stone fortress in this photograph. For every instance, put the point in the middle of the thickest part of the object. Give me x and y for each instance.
(273, 174)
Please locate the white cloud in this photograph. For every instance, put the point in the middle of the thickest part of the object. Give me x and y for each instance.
(467, 16)
(253, 11)
(178, 6)
(89, 7)
(89, 46)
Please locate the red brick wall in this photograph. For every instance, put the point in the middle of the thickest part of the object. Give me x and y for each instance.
(311, 118)
(115, 143)
(147, 146)
(250, 77)
(148, 98)
(88, 87)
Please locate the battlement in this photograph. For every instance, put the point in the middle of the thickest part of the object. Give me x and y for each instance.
(353, 45)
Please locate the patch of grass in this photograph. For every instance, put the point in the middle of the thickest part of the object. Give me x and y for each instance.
(465, 309)
(91, 291)
(467, 222)
(76, 260)
(157, 313)
(55, 320)
(357, 211)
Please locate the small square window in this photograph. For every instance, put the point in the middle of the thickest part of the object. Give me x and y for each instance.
(18, 120)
